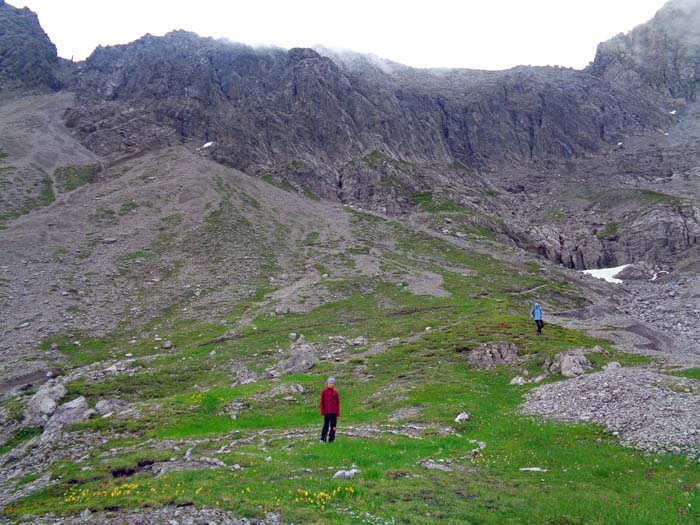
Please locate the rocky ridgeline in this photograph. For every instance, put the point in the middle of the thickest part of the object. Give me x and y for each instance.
(659, 58)
(315, 109)
(28, 58)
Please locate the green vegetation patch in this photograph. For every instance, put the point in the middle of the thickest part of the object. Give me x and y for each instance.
(136, 255)
(435, 204)
(45, 197)
(20, 436)
(611, 230)
(657, 197)
(376, 159)
(691, 373)
(128, 207)
(69, 178)
(312, 238)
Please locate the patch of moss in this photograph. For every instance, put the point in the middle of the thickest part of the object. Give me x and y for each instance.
(611, 230)
(657, 197)
(20, 436)
(105, 217)
(295, 165)
(435, 204)
(136, 255)
(46, 196)
(128, 207)
(309, 193)
(377, 158)
(69, 178)
(311, 239)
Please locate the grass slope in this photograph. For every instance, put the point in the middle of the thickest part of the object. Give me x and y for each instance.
(183, 398)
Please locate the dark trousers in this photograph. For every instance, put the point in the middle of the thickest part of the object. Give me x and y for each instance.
(540, 324)
(329, 423)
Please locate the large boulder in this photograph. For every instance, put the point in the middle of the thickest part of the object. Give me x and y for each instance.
(490, 355)
(67, 414)
(570, 364)
(303, 359)
(43, 404)
(639, 271)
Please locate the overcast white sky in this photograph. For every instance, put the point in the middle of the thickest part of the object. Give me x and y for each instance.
(485, 34)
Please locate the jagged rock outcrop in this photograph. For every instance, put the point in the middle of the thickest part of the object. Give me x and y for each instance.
(28, 58)
(491, 355)
(273, 106)
(570, 364)
(660, 58)
(43, 404)
(66, 415)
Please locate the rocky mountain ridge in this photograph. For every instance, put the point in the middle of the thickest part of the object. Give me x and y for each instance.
(28, 58)
(659, 59)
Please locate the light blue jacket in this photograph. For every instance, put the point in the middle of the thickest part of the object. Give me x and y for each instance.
(536, 312)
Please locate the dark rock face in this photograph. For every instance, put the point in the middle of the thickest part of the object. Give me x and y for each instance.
(27, 57)
(271, 106)
(660, 58)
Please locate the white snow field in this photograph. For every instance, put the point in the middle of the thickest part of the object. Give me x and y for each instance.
(607, 273)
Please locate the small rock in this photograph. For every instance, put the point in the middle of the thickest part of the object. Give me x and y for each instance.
(432, 465)
(109, 240)
(462, 417)
(346, 474)
(281, 310)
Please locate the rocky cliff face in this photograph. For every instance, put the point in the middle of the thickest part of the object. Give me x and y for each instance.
(27, 57)
(271, 106)
(660, 58)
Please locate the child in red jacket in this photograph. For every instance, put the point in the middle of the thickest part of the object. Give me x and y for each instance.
(330, 410)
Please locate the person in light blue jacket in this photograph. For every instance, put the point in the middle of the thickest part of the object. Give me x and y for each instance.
(536, 314)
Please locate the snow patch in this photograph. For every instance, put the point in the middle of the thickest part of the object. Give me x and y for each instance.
(208, 145)
(673, 112)
(607, 273)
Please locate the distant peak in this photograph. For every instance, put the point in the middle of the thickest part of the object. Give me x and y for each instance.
(302, 53)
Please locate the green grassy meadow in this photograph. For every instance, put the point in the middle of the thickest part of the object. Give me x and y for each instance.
(272, 458)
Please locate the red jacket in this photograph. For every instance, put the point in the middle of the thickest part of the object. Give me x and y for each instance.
(330, 402)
